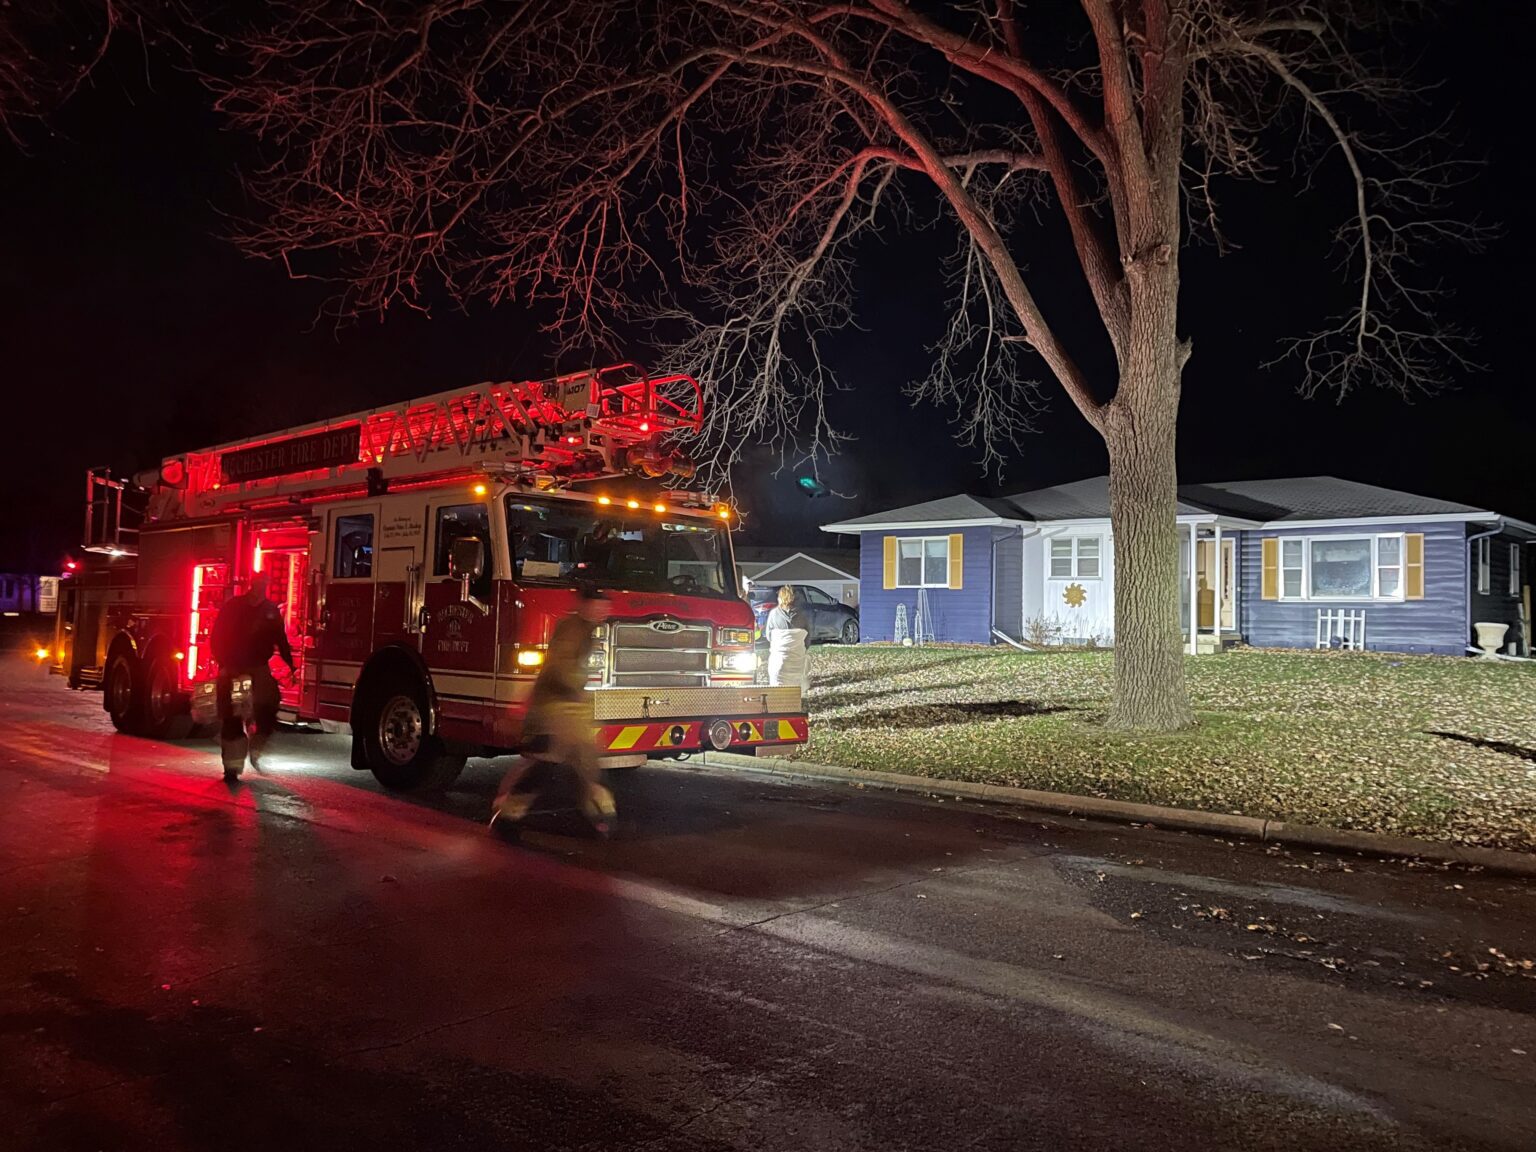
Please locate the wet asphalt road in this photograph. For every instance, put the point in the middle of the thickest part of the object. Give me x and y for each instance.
(305, 962)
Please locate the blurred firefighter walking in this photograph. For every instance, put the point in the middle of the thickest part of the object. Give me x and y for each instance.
(559, 761)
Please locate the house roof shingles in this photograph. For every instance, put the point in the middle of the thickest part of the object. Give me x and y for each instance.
(946, 510)
(1324, 498)
(1081, 500)
(1302, 498)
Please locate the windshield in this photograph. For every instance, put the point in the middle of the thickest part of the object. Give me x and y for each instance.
(565, 541)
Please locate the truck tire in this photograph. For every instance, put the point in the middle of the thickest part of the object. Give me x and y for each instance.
(162, 704)
(399, 751)
(123, 694)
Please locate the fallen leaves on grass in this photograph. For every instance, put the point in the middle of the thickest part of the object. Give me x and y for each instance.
(1339, 739)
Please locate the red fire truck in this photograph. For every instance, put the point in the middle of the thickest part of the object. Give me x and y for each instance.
(421, 554)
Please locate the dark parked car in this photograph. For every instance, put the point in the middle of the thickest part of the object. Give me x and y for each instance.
(830, 620)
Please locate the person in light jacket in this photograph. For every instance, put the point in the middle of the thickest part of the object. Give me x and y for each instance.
(788, 631)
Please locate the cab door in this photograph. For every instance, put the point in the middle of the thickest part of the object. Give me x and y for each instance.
(342, 566)
(397, 613)
(459, 625)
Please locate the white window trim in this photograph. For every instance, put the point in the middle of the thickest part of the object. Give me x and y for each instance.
(1484, 559)
(1515, 575)
(1075, 539)
(1375, 596)
(923, 560)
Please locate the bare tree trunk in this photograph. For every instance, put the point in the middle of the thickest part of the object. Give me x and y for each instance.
(1140, 430)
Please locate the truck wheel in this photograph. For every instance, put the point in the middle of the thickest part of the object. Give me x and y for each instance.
(400, 752)
(123, 696)
(162, 700)
(850, 631)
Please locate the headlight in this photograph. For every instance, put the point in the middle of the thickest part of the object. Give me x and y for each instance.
(737, 661)
(732, 636)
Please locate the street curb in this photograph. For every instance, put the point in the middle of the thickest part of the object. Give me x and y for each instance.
(1182, 819)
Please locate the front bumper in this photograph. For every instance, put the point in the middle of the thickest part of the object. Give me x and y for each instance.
(631, 721)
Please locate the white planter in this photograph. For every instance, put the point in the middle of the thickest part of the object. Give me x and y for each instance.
(1490, 636)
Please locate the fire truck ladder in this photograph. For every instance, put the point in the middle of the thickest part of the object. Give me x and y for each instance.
(578, 427)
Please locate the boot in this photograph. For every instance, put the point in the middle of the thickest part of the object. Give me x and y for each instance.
(599, 809)
(234, 749)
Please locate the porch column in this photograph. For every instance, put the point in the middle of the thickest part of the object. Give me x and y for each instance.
(1194, 593)
(1216, 552)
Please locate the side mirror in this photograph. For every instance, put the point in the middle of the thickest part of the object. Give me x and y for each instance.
(467, 558)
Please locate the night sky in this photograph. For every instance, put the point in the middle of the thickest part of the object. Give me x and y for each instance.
(129, 328)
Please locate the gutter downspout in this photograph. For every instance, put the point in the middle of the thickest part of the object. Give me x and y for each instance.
(1498, 526)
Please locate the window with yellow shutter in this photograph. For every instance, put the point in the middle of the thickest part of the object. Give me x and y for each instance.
(1340, 567)
(923, 561)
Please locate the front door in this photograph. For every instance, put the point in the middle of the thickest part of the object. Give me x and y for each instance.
(1205, 575)
(1228, 584)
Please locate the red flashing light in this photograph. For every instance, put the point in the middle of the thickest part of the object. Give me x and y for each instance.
(256, 559)
(70, 565)
(645, 425)
(194, 619)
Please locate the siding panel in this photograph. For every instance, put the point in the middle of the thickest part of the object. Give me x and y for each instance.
(962, 615)
(1498, 605)
(1008, 574)
(1435, 624)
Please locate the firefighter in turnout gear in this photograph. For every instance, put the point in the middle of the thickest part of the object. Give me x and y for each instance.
(559, 763)
(249, 628)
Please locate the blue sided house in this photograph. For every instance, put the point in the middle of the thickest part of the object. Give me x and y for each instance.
(1311, 562)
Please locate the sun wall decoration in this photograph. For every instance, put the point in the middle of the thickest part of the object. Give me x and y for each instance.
(1075, 595)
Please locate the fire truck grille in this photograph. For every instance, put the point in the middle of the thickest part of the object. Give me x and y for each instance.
(675, 655)
(659, 660)
(659, 680)
(645, 636)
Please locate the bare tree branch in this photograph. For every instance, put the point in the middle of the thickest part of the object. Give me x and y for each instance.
(708, 168)
(41, 63)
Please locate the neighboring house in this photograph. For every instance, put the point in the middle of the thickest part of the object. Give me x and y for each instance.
(26, 592)
(835, 572)
(1307, 562)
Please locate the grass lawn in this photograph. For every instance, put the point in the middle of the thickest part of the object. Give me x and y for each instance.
(1420, 746)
